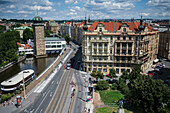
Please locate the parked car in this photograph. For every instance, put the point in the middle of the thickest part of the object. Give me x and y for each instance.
(162, 65)
(108, 76)
(158, 67)
(152, 73)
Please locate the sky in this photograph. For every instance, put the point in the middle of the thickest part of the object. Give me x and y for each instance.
(78, 9)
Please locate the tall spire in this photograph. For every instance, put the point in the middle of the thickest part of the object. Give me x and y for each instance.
(141, 21)
(141, 27)
(89, 19)
(85, 27)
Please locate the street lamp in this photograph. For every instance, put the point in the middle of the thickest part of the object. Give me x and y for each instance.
(24, 83)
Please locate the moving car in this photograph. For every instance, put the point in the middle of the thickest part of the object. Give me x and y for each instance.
(68, 66)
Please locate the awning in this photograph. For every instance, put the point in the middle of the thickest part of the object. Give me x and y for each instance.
(156, 60)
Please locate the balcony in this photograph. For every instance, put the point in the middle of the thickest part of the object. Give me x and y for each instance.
(123, 47)
(99, 41)
(129, 48)
(124, 41)
(100, 47)
(95, 47)
(100, 54)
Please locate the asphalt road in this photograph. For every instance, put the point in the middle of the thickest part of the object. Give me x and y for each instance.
(43, 100)
(80, 96)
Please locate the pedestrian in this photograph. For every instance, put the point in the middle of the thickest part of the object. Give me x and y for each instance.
(12, 102)
(4, 104)
(8, 103)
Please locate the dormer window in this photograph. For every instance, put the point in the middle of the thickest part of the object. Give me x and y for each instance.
(100, 30)
(124, 29)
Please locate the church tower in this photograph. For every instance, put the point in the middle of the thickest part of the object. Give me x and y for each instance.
(39, 41)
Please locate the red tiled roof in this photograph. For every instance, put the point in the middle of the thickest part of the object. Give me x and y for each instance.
(67, 23)
(111, 25)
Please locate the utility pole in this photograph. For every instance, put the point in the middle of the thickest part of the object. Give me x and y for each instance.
(23, 84)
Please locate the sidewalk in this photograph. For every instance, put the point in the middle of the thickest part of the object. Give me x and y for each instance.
(89, 105)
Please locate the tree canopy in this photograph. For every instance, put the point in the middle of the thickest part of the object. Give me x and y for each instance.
(149, 94)
(112, 73)
(27, 34)
(97, 75)
(8, 46)
(67, 38)
(102, 85)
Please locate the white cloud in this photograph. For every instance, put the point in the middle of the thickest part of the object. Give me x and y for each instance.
(145, 14)
(158, 3)
(72, 13)
(68, 1)
(77, 7)
(9, 11)
(11, 6)
(47, 2)
(25, 15)
(75, 2)
(26, 12)
(72, 10)
(42, 13)
(36, 7)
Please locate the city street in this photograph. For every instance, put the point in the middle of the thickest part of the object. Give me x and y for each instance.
(79, 103)
(165, 72)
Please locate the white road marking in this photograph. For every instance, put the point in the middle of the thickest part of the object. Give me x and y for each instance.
(42, 101)
(26, 110)
(51, 94)
(32, 111)
(44, 93)
(41, 110)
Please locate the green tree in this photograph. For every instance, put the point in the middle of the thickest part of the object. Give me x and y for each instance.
(114, 86)
(97, 75)
(136, 72)
(27, 34)
(112, 73)
(67, 38)
(150, 95)
(9, 47)
(2, 28)
(102, 85)
(125, 75)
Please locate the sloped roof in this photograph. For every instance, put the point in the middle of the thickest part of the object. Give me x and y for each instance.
(114, 26)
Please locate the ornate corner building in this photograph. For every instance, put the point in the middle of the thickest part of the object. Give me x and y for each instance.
(118, 45)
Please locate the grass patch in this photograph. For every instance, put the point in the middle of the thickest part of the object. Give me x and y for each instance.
(109, 96)
(110, 110)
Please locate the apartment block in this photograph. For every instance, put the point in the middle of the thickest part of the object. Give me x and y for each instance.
(119, 45)
(164, 44)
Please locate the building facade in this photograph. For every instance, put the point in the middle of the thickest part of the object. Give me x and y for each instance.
(54, 43)
(39, 41)
(52, 26)
(107, 45)
(164, 44)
